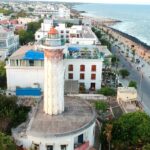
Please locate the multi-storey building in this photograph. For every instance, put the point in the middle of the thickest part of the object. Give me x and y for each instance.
(77, 34)
(9, 42)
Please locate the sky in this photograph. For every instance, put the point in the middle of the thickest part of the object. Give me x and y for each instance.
(108, 1)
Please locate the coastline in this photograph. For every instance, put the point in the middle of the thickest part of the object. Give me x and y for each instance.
(141, 48)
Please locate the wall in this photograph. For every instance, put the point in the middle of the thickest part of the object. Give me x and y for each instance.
(88, 63)
(57, 141)
(24, 77)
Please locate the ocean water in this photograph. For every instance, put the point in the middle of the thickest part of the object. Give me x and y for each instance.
(135, 18)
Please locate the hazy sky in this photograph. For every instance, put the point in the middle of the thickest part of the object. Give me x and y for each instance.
(109, 1)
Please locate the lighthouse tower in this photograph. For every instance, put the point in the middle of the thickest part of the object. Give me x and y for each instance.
(53, 73)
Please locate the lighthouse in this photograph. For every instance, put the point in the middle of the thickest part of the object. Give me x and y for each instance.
(53, 73)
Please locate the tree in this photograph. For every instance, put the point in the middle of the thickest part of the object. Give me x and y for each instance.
(5, 12)
(108, 133)
(132, 129)
(107, 91)
(21, 13)
(114, 60)
(132, 84)
(146, 147)
(33, 26)
(2, 75)
(101, 105)
(6, 142)
(68, 24)
(124, 73)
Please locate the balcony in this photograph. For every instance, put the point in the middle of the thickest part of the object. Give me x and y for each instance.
(83, 146)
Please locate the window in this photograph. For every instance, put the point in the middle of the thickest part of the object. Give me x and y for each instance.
(36, 146)
(93, 76)
(63, 147)
(93, 68)
(81, 76)
(70, 68)
(70, 75)
(31, 63)
(82, 67)
(62, 36)
(62, 31)
(93, 85)
(38, 36)
(67, 31)
(49, 147)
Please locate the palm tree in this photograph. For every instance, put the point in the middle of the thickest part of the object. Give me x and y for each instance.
(127, 52)
(108, 133)
(133, 55)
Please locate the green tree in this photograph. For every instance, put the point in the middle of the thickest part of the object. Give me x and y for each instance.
(107, 91)
(131, 129)
(124, 73)
(5, 12)
(68, 24)
(101, 105)
(6, 142)
(21, 13)
(132, 84)
(146, 147)
(2, 75)
(114, 60)
(33, 26)
(25, 37)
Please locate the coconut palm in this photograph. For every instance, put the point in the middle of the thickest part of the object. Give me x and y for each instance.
(108, 133)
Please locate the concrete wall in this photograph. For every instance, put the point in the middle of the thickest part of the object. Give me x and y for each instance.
(56, 142)
(24, 77)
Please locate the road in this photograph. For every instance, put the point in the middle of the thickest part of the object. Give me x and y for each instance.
(143, 82)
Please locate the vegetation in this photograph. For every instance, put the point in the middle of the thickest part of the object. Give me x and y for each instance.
(5, 12)
(21, 13)
(68, 24)
(28, 36)
(107, 91)
(124, 73)
(2, 75)
(11, 114)
(6, 142)
(132, 84)
(101, 105)
(100, 37)
(114, 60)
(130, 131)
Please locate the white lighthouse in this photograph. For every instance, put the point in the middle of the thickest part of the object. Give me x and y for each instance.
(67, 123)
(53, 73)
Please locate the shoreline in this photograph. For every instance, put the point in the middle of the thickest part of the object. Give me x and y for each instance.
(141, 48)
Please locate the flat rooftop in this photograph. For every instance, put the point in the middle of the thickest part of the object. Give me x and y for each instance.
(78, 115)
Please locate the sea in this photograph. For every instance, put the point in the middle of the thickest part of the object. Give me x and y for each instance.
(135, 18)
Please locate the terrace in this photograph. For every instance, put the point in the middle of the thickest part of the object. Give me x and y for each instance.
(83, 52)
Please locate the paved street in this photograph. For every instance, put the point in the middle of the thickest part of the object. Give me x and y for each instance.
(143, 81)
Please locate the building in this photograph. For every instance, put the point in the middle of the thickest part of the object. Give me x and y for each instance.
(76, 34)
(127, 99)
(26, 20)
(9, 42)
(58, 122)
(83, 64)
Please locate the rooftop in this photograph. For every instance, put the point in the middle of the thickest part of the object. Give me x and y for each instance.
(77, 116)
(84, 52)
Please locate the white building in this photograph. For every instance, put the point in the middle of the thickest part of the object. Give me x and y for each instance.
(77, 34)
(58, 122)
(9, 42)
(26, 20)
(83, 63)
(2, 17)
